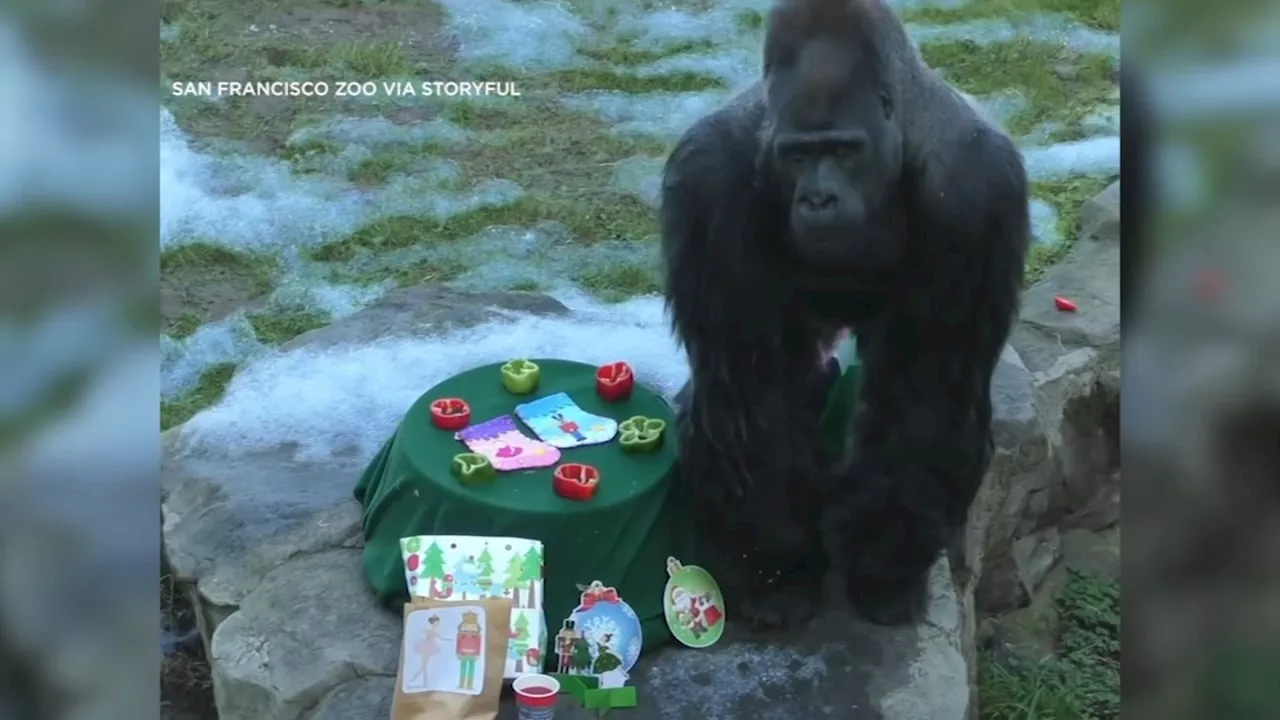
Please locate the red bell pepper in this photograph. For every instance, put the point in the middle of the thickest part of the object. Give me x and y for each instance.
(575, 481)
(615, 381)
(450, 413)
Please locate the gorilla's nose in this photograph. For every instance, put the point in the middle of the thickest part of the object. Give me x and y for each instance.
(819, 204)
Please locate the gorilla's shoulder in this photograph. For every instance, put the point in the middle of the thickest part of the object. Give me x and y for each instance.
(721, 144)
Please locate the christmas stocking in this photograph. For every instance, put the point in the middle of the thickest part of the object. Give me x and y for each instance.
(506, 447)
(558, 420)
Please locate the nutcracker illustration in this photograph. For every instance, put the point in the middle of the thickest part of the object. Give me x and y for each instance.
(568, 427)
(469, 647)
(566, 642)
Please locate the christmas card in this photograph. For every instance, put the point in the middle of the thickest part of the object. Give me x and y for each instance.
(465, 567)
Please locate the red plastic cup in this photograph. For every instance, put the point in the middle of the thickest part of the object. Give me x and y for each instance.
(536, 696)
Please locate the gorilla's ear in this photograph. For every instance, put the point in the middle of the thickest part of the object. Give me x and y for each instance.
(886, 103)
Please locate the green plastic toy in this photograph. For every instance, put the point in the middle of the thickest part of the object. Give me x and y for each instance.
(641, 434)
(586, 690)
(521, 377)
(473, 469)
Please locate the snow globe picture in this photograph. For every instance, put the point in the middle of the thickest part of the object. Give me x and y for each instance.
(602, 637)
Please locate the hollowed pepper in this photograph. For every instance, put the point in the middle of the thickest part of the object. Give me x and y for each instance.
(641, 434)
(575, 481)
(450, 413)
(615, 381)
(520, 376)
(473, 469)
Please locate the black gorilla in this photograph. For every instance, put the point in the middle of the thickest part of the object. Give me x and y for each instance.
(851, 188)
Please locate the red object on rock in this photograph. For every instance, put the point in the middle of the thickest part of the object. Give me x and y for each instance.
(575, 481)
(615, 381)
(1064, 304)
(450, 413)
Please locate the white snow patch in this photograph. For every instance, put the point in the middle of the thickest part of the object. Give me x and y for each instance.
(260, 204)
(525, 35)
(663, 115)
(327, 400)
(1044, 222)
(1046, 28)
(1094, 156)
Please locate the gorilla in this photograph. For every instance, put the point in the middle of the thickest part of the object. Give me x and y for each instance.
(850, 189)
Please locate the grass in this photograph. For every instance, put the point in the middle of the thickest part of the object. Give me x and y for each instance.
(1098, 14)
(183, 326)
(587, 79)
(1059, 84)
(203, 262)
(621, 282)
(749, 20)
(1067, 196)
(280, 325)
(1080, 682)
(626, 54)
(207, 391)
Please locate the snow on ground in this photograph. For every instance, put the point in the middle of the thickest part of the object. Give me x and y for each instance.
(354, 396)
(357, 394)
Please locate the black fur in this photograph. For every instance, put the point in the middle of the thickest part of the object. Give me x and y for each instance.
(755, 319)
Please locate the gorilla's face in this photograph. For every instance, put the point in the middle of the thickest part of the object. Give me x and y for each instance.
(836, 152)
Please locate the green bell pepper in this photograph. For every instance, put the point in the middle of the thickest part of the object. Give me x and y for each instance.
(520, 377)
(641, 434)
(473, 469)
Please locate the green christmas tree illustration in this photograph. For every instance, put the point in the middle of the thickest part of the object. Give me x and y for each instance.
(485, 561)
(519, 642)
(582, 659)
(515, 578)
(532, 573)
(433, 566)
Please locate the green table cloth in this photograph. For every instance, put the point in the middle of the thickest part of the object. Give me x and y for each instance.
(622, 537)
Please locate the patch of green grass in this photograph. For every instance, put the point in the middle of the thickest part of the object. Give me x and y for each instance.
(486, 116)
(586, 79)
(183, 325)
(1080, 682)
(374, 59)
(208, 390)
(204, 258)
(280, 325)
(620, 282)
(749, 20)
(1067, 196)
(1059, 84)
(418, 272)
(628, 55)
(526, 286)
(1098, 14)
(376, 169)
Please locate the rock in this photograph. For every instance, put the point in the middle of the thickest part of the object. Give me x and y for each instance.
(1100, 215)
(1034, 556)
(1017, 483)
(1074, 360)
(837, 667)
(308, 627)
(1095, 553)
(421, 310)
(364, 698)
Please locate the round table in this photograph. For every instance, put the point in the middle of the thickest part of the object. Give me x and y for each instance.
(621, 537)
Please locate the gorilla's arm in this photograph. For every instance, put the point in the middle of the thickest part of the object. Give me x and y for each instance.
(921, 443)
(750, 352)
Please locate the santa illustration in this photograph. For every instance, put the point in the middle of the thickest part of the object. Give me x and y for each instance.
(696, 613)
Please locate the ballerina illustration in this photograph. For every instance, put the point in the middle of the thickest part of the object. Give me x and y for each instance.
(428, 647)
